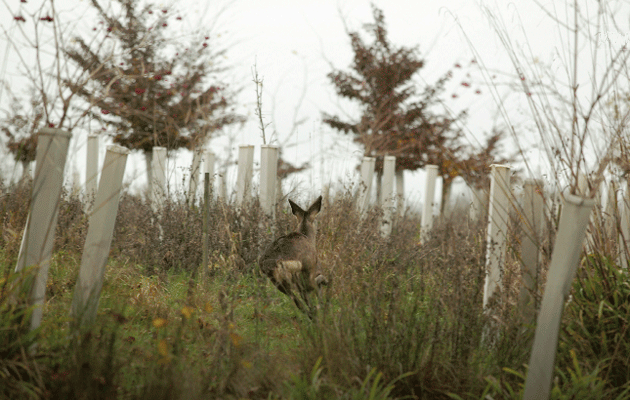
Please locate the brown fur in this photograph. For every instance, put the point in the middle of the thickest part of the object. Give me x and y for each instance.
(291, 260)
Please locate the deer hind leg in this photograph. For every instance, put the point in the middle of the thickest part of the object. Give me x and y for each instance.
(304, 287)
(286, 289)
(303, 304)
(301, 301)
(310, 310)
(286, 276)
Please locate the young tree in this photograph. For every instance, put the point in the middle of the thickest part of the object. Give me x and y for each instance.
(474, 166)
(20, 127)
(285, 168)
(153, 90)
(37, 39)
(396, 117)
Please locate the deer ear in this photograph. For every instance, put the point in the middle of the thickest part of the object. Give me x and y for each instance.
(296, 210)
(314, 209)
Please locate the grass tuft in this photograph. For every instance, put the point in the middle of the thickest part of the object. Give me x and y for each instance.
(399, 320)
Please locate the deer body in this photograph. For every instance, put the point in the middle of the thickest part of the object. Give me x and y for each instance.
(290, 262)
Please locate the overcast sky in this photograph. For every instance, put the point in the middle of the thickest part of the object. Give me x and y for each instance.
(294, 44)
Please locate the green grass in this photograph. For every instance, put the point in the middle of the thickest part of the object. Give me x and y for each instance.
(400, 320)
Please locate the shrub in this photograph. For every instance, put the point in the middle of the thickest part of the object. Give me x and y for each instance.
(19, 373)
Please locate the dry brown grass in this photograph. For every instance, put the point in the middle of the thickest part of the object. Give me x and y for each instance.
(394, 306)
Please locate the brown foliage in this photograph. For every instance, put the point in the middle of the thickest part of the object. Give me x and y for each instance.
(398, 119)
(21, 129)
(149, 97)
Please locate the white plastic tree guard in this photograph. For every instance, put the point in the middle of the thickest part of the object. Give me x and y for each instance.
(497, 230)
(208, 164)
(555, 200)
(367, 177)
(158, 185)
(388, 195)
(476, 204)
(597, 216)
(624, 233)
(427, 206)
(400, 192)
(574, 219)
(76, 185)
(148, 163)
(244, 174)
(99, 237)
(459, 204)
(91, 172)
(195, 169)
(611, 211)
(268, 178)
(37, 242)
(27, 170)
(447, 207)
(222, 191)
(532, 234)
(204, 235)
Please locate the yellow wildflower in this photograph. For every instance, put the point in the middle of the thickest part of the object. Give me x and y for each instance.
(159, 322)
(163, 348)
(187, 311)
